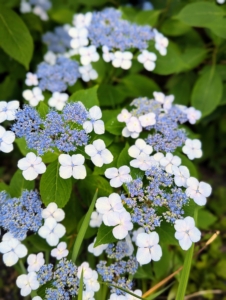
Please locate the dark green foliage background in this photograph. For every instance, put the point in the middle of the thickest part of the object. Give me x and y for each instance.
(194, 70)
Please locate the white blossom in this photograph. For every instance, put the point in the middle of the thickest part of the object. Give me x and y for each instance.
(147, 59)
(136, 232)
(8, 110)
(52, 231)
(148, 247)
(58, 100)
(79, 37)
(88, 73)
(136, 292)
(31, 79)
(161, 42)
(37, 298)
(88, 54)
(98, 153)
(198, 191)
(88, 295)
(87, 271)
(72, 166)
(193, 115)
(27, 283)
(107, 55)
(33, 96)
(50, 57)
(95, 123)
(124, 116)
(192, 148)
(60, 251)
(127, 133)
(98, 250)
(140, 147)
(166, 101)
(32, 166)
(134, 125)
(143, 162)
(147, 120)
(91, 283)
(35, 262)
(181, 174)
(168, 161)
(122, 60)
(118, 176)
(52, 211)
(220, 1)
(6, 140)
(82, 20)
(95, 219)
(12, 250)
(186, 232)
(39, 11)
(25, 7)
(122, 223)
(107, 205)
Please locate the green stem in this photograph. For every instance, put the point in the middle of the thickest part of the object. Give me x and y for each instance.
(22, 267)
(186, 269)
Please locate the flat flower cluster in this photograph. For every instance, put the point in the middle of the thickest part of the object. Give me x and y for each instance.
(118, 40)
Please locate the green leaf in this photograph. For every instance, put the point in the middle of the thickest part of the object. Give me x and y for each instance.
(124, 158)
(61, 15)
(88, 186)
(114, 126)
(136, 85)
(22, 145)
(174, 27)
(169, 63)
(205, 219)
(18, 184)
(201, 14)
(105, 235)
(148, 17)
(166, 233)
(110, 95)
(43, 109)
(80, 291)
(87, 97)
(207, 92)
(4, 187)
(82, 231)
(205, 14)
(49, 157)
(15, 38)
(53, 188)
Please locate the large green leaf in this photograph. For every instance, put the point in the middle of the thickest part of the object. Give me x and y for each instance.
(53, 188)
(147, 17)
(18, 184)
(87, 97)
(88, 186)
(205, 14)
(201, 14)
(124, 158)
(207, 92)
(136, 85)
(104, 235)
(110, 95)
(15, 38)
(114, 126)
(166, 233)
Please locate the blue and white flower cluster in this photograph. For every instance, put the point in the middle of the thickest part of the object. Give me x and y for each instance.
(37, 7)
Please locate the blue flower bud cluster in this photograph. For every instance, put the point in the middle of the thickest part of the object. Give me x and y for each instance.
(107, 28)
(56, 78)
(117, 273)
(63, 131)
(64, 280)
(20, 215)
(160, 197)
(57, 41)
(166, 136)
